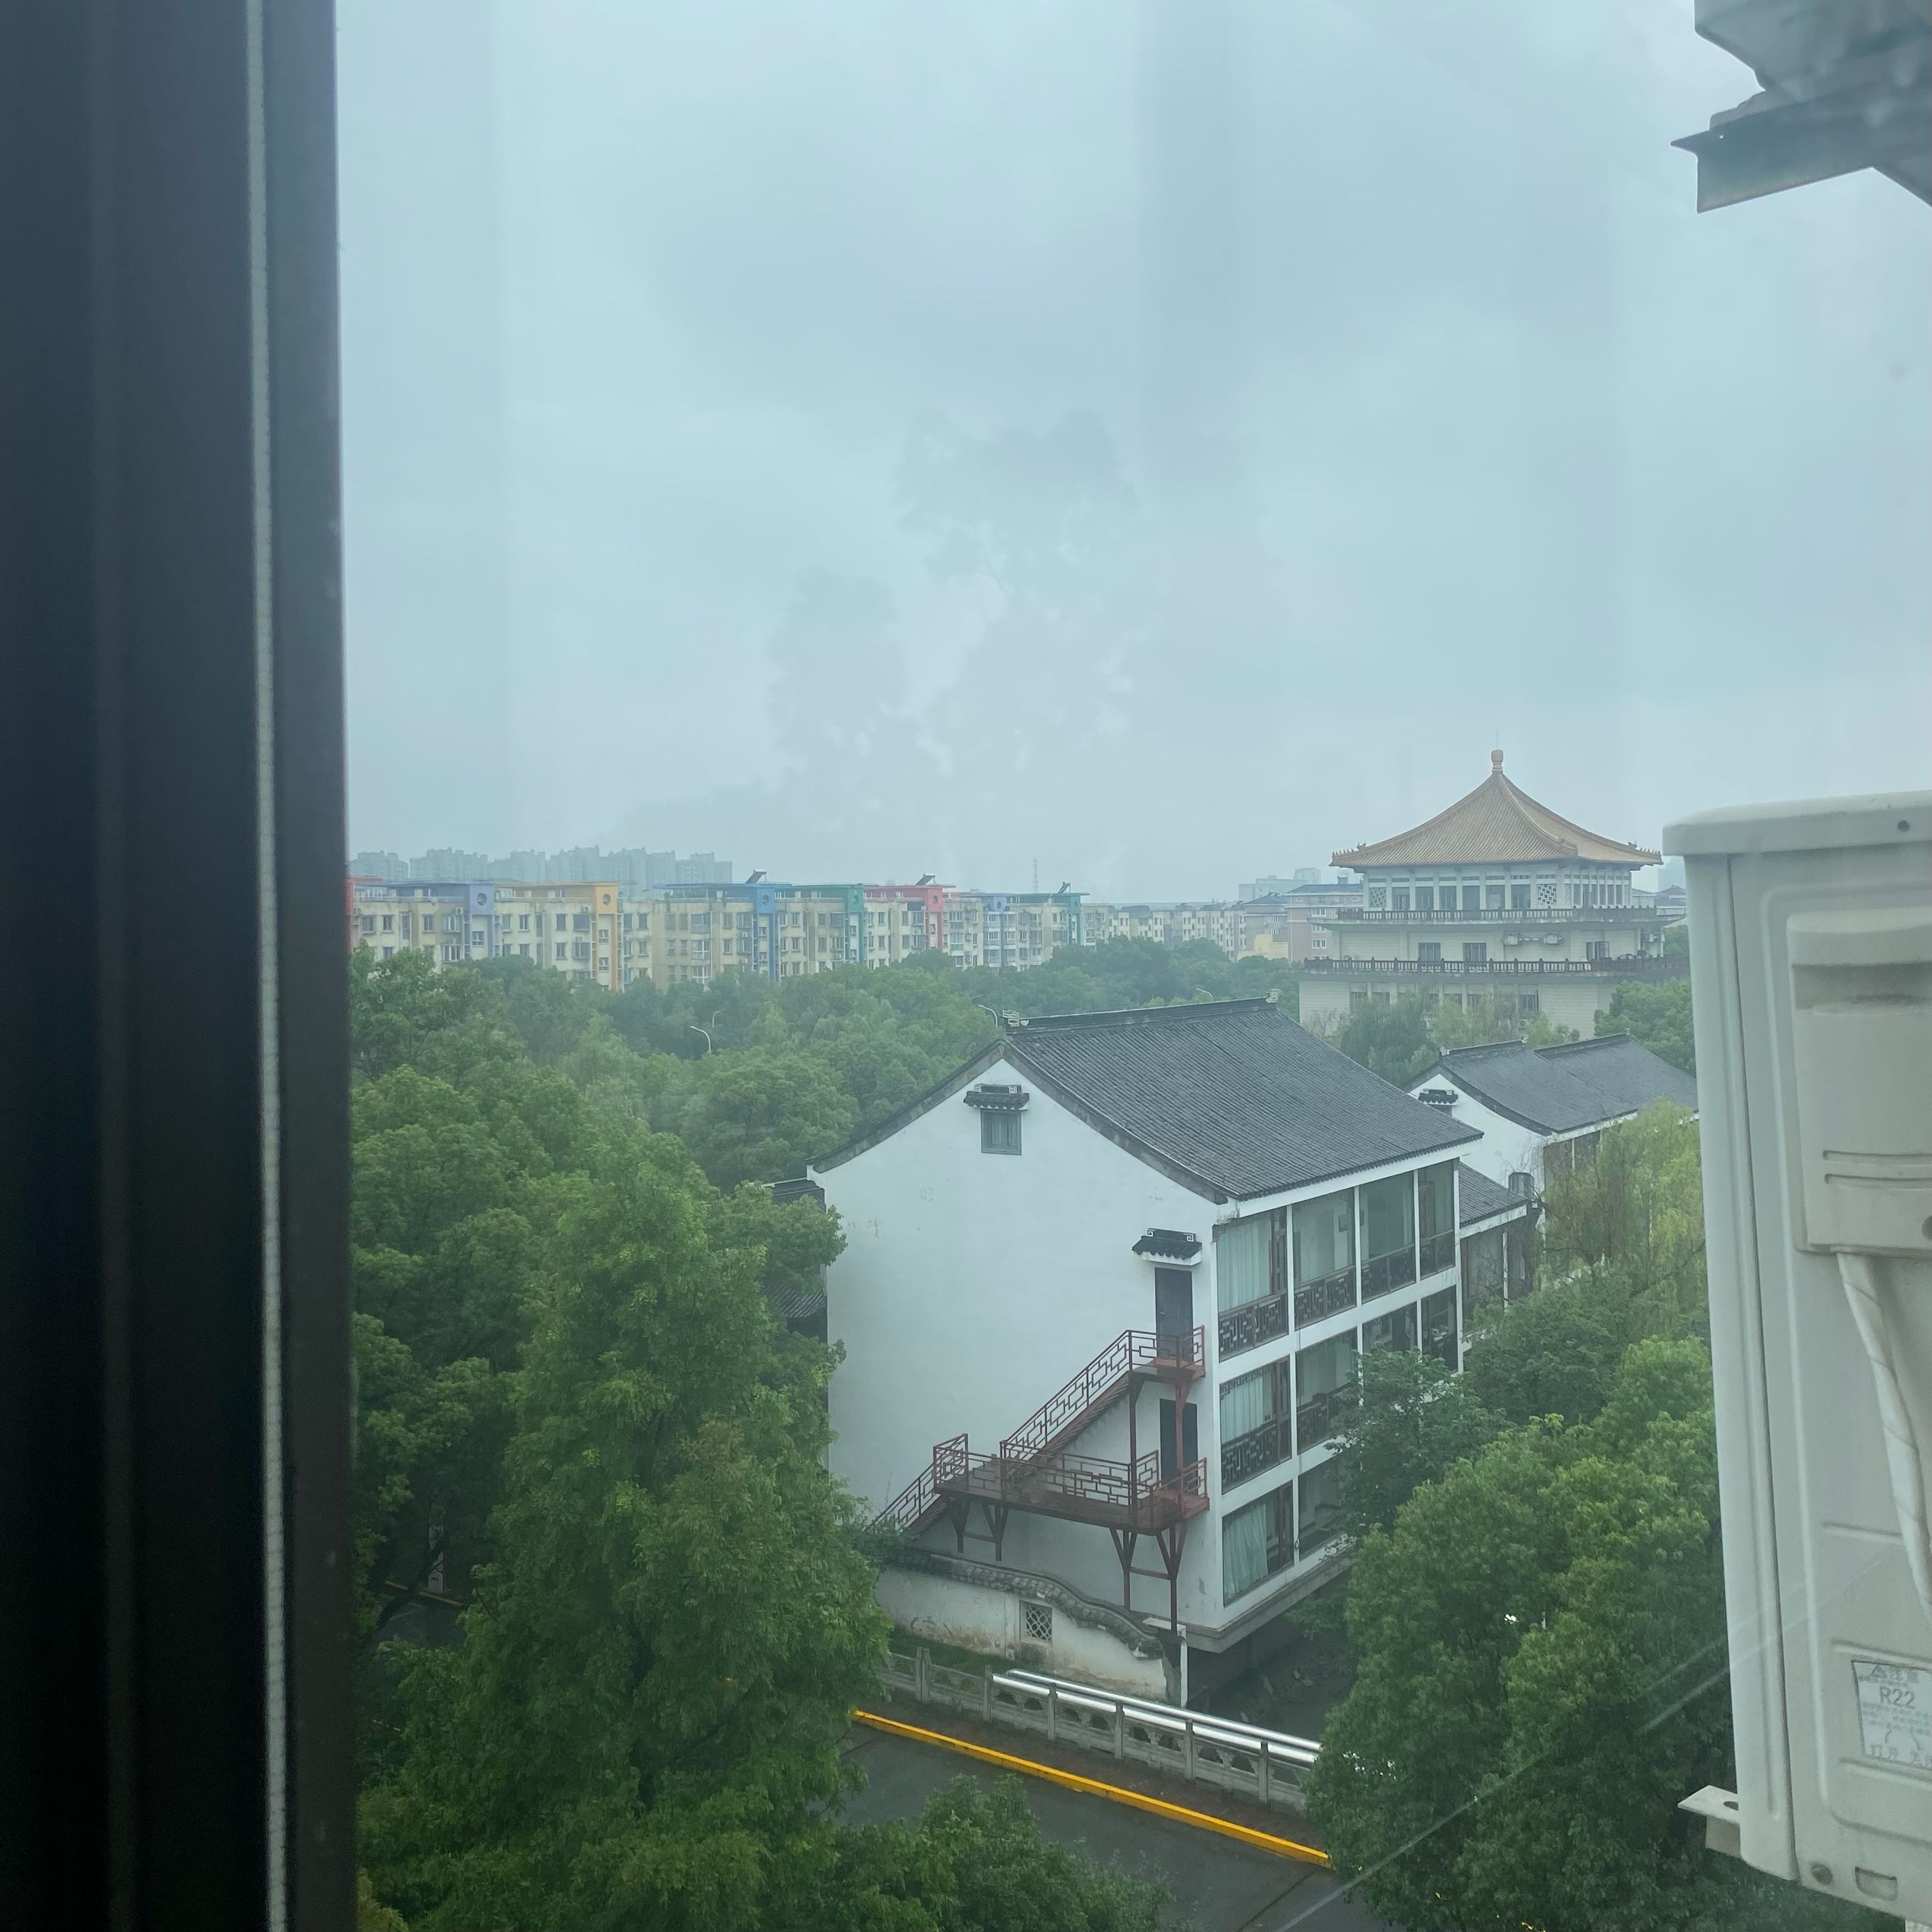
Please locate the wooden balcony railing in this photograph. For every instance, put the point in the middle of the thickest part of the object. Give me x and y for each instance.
(1438, 1252)
(1630, 966)
(1326, 1294)
(1088, 1489)
(1135, 1351)
(1314, 1421)
(1619, 915)
(1386, 1273)
(1259, 1449)
(1251, 1324)
(915, 1506)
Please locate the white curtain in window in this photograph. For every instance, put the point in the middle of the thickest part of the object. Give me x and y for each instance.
(1241, 1262)
(1244, 1404)
(1244, 1550)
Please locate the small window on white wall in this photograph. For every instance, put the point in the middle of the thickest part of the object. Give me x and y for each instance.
(1037, 1620)
(999, 1130)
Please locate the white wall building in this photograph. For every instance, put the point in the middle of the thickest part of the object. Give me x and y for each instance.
(1497, 894)
(1097, 1290)
(1541, 1110)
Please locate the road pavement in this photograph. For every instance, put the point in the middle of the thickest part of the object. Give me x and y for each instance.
(1217, 1884)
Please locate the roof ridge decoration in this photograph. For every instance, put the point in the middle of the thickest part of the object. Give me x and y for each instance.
(1498, 823)
(1566, 1046)
(1138, 1016)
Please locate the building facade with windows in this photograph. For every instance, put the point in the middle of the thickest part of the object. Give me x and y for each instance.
(572, 929)
(1009, 931)
(1497, 894)
(1166, 924)
(1295, 922)
(902, 920)
(1542, 1110)
(1099, 1291)
(692, 933)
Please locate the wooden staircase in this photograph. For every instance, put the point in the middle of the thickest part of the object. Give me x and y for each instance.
(1036, 1469)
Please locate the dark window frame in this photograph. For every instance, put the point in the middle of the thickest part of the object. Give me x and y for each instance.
(167, 212)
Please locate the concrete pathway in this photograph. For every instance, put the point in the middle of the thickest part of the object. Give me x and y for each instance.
(1217, 1884)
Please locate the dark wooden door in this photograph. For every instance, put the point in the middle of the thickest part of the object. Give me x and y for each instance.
(1190, 1437)
(1174, 1301)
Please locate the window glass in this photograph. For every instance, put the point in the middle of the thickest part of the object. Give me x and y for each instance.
(1388, 1216)
(1482, 1283)
(1241, 1256)
(1257, 1541)
(1436, 1191)
(1395, 1330)
(1226, 531)
(1320, 1492)
(1247, 1403)
(1324, 1235)
(1320, 1373)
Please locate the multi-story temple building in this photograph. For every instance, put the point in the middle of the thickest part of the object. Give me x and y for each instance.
(1498, 894)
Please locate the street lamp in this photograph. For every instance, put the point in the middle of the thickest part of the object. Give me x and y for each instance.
(707, 1036)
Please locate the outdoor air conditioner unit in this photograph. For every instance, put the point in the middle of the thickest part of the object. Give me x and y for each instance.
(1810, 929)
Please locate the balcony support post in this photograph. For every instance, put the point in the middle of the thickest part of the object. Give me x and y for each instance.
(995, 1514)
(1124, 1540)
(956, 1509)
(1170, 1541)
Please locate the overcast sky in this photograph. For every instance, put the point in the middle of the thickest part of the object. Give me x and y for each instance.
(1161, 442)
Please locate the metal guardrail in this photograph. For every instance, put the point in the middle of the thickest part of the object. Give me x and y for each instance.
(1265, 1766)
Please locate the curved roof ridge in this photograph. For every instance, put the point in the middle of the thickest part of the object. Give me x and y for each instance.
(1497, 823)
(1536, 808)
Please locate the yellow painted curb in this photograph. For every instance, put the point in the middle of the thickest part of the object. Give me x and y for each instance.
(1283, 1847)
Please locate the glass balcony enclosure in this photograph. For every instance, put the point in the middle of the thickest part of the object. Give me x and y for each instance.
(1319, 1372)
(1325, 1256)
(1256, 1413)
(1436, 1209)
(1388, 1235)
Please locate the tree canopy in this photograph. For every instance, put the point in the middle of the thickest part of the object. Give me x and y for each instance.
(1400, 1038)
(1656, 1015)
(1537, 1611)
(580, 1422)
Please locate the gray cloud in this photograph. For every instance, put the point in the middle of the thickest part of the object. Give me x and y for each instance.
(1168, 442)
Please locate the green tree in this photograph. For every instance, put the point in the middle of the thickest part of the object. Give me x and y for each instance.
(398, 1006)
(1399, 1038)
(1554, 1355)
(644, 1717)
(549, 1012)
(1540, 1646)
(1490, 1019)
(758, 1114)
(1656, 1015)
(1390, 1037)
(973, 1861)
(1406, 1421)
(1629, 1225)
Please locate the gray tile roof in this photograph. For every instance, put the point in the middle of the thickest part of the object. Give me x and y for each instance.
(1234, 1095)
(1477, 1197)
(1557, 1089)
